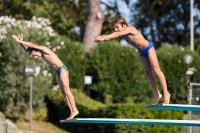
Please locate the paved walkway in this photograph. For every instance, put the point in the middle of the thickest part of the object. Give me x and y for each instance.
(9, 127)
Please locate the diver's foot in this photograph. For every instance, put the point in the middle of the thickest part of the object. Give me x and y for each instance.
(157, 98)
(167, 98)
(73, 114)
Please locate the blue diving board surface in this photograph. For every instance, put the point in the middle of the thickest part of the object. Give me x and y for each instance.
(134, 121)
(185, 107)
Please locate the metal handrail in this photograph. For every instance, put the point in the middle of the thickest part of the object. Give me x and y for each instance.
(194, 84)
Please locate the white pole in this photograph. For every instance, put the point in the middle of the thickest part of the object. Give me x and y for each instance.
(190, 103)
(191, 45)
(6, 126)
(191, 26)
(30, 103)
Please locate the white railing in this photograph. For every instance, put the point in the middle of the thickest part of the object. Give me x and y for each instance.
(193, 87)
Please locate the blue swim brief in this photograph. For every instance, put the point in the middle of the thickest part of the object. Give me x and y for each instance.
(145, 51)
(60, 68)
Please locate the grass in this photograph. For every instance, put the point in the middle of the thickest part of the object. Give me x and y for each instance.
(39, 127)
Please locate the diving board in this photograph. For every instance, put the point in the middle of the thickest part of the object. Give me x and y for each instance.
(185, 107)
(134, 121)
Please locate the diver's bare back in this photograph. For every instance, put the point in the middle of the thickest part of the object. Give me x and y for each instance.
(136, 39)
(51, 58)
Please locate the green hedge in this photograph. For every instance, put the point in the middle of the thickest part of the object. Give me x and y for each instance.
(117, 72)
(173, 65)
(137, 112)
(91, 109)
(14, 82)
(57, 105)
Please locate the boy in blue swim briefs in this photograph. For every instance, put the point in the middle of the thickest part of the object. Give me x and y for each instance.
(146, 52)
(62, 74)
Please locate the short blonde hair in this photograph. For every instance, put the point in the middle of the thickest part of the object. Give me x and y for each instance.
(119, 20)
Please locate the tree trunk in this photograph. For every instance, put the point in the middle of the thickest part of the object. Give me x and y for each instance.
(95, 19)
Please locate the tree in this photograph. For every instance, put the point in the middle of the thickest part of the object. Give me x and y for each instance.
(67, 17)
(165, 21)
(95, 19)
(14, 83)
(78, 20)
(15, 8)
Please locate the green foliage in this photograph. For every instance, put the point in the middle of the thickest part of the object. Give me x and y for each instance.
(57, 105)
(81, 98)
(15, 59)
(162, 21)
(14, 89)
(41, 114)
(116, 71)
(126, 111)
(65, 16)
(173, 66)
(197, 45)
(92, 109)
(16, 9)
